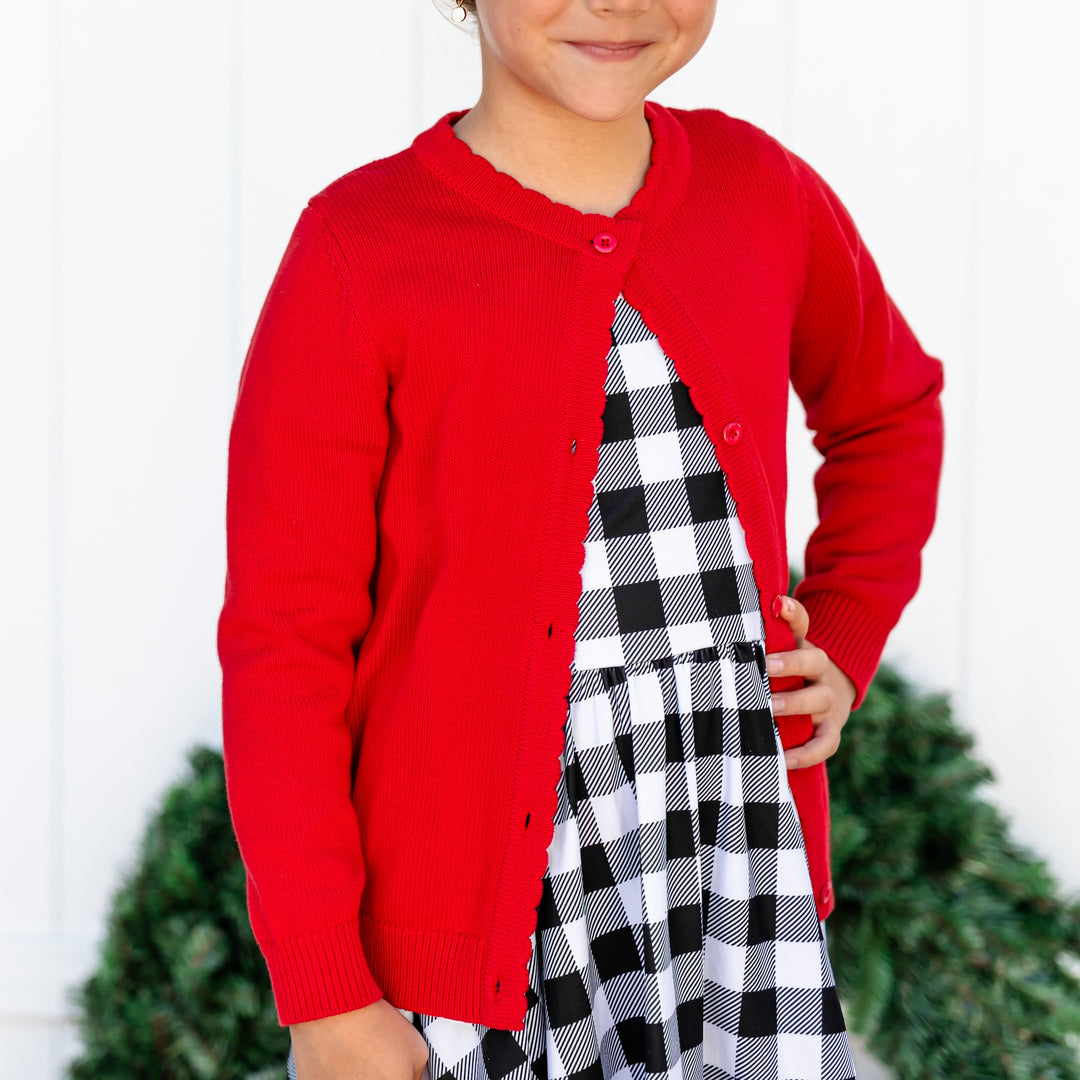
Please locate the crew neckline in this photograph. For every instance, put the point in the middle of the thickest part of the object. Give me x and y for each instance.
(472, 175)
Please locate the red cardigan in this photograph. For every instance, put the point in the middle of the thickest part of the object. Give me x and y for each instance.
(410, 470)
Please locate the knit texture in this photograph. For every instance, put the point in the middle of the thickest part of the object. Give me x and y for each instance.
(410, 471)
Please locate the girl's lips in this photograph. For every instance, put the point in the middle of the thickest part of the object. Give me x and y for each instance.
(599, 50)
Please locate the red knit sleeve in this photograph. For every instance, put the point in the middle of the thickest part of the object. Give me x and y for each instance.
(872, 398)
(306, 453)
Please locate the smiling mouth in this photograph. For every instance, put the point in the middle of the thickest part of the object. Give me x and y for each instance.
(611, 50)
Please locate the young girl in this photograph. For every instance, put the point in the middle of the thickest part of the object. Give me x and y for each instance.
(510, 675)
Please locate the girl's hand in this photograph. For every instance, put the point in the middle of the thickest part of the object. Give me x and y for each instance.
(827, 697)
(372, 1043)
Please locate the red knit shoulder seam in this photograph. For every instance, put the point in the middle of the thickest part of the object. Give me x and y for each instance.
(336, 257)
(804, 215)
(763, 139)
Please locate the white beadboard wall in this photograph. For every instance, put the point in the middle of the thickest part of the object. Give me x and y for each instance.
(153, 159)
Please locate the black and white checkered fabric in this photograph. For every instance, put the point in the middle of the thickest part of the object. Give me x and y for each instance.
(666, 567)
(677, 935)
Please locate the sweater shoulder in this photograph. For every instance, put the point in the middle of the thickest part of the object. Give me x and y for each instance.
(725, 145)
(371, 193)
(373, 216)
(741, 173)
(717, 138)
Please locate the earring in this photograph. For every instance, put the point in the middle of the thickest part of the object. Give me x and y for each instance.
(460, 14)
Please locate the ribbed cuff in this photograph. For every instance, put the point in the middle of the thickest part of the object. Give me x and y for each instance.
(320, 974)
(853, 637)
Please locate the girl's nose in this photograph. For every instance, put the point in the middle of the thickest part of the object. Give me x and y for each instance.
(618, 7)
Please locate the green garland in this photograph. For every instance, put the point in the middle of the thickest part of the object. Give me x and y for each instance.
(952, 948)
(955, 953)
(181, 992)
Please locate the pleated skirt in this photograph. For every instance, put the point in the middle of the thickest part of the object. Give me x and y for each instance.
(677, 934)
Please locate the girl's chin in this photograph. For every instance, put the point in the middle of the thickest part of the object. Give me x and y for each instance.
(603, 110)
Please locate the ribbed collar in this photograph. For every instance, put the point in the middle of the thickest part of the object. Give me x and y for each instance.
(453, 161)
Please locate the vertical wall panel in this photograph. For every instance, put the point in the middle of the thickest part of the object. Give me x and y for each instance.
(325, 87)
(145, 318)
(1024, 508)
(27, 474)
(883, 109)
(27, 1049)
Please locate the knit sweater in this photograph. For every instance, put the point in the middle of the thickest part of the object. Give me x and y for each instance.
(410, 470)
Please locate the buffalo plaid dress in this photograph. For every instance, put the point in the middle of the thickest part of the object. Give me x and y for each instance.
(677, 934)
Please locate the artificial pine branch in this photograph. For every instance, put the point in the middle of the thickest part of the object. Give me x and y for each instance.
(952, 947)
(181, 991)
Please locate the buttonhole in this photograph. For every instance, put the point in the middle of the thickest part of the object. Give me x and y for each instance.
(549, 628)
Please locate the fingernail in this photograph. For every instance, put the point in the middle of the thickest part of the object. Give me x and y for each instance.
(789, 605)
(774, 665)
(778, 703)
(777, 606)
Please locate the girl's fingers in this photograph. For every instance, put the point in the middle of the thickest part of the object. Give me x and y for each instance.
(823, 745)
(796, 616)
(816, 699)
(811, 701)
(817, 750)
(810, 662)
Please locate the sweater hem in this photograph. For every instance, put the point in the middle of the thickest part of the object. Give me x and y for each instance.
(434, 972)
(320, 974)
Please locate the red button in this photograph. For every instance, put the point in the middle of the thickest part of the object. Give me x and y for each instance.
(604, 242)
(826, 894)
(733, 433)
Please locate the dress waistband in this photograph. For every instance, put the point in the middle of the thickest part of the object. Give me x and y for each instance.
(585, 681)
